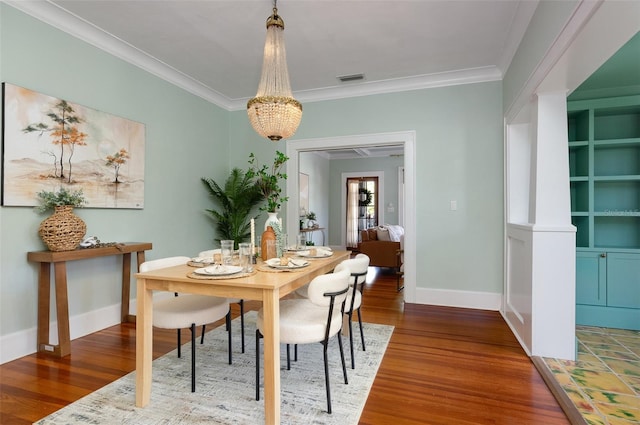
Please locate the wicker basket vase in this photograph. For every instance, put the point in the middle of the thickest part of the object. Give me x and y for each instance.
(63, 230)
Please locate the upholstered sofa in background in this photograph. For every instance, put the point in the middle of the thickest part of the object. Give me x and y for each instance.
(383, 245)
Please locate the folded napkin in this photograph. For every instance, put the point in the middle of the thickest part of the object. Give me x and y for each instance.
(319, 252)
(217, 269)
(202, 259)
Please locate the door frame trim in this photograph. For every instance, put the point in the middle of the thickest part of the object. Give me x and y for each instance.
(405, 138)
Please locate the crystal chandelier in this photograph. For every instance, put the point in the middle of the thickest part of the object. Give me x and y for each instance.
(274, 113)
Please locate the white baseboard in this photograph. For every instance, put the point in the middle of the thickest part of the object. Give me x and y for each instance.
(463, 299)
(23, 343)
(20, 344)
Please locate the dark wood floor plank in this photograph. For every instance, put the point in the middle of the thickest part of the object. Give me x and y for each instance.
(442, 366)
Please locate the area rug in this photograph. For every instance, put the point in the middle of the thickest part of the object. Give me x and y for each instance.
(225, 394)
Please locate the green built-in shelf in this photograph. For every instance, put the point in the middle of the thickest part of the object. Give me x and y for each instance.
(604, 180)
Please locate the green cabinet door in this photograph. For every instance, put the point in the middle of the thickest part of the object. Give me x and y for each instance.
(591, 278)
(623, 280)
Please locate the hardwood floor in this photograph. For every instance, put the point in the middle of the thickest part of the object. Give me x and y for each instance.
(442, 366)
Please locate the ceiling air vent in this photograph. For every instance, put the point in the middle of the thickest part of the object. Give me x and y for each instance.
(349, 78)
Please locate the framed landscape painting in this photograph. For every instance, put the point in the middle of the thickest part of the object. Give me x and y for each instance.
(50, 143)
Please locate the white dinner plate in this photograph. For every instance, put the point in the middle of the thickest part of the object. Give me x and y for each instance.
(218, 270)
(293, 264)
(321, 253)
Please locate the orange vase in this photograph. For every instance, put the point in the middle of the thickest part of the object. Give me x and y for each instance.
(268, 249)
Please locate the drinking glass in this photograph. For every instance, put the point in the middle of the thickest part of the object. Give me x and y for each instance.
(301, 241)
(227, 252)
(245, 256)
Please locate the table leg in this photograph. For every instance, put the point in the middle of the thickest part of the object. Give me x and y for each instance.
(62, 305)
(44, 300)
(126, 286)
(140, 260)
(271, 306)
(144, 344)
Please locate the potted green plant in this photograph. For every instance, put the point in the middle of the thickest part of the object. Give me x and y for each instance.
(311, 216)
(63, 230)
(268, 180)
(235, 201)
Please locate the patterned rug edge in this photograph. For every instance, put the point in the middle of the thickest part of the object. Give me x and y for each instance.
(303, 392)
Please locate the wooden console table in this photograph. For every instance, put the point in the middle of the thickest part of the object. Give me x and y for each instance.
(310, 230)
(59, 259)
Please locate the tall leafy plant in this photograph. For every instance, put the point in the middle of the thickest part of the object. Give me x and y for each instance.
(268, 180)
(234, 202)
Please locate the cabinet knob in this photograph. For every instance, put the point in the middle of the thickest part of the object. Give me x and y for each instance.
(603, 255)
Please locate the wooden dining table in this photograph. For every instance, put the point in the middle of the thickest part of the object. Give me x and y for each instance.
(266, 286)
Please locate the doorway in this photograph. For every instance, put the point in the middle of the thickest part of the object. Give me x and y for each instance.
(362, 205)
(408, 141)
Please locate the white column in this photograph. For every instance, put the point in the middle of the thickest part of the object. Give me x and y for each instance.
(553, 236)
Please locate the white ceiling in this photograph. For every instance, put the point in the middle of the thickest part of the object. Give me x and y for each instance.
(213, 48)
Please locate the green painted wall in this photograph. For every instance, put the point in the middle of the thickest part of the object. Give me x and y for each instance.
(186, 138)
(318, 168)
(459, 156)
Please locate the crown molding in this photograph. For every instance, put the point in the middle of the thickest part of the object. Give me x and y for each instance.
(60, 18)
(418, 82)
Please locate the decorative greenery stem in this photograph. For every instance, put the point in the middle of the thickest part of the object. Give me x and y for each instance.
(267, 179)
(50, 200)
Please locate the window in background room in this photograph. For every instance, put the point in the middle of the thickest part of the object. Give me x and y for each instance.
(362, 207)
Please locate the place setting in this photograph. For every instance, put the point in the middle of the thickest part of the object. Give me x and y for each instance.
(283, 264)
(314, 253)
(228, 264)
(203, 261)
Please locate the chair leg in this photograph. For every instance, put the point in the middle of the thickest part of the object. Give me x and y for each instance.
(295, 352)
(353, 358)
(228, 320)
(241, 304)
(399, 275)
(258, 336)
(179, 344)
(193, 357)
(326, 376)
(361, 333)
(344, 366)
(202, 336)
(288, 358)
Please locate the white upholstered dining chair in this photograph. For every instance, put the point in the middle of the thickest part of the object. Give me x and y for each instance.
(240, 302)
(358, 267)
(187, 311)
(311, 320)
